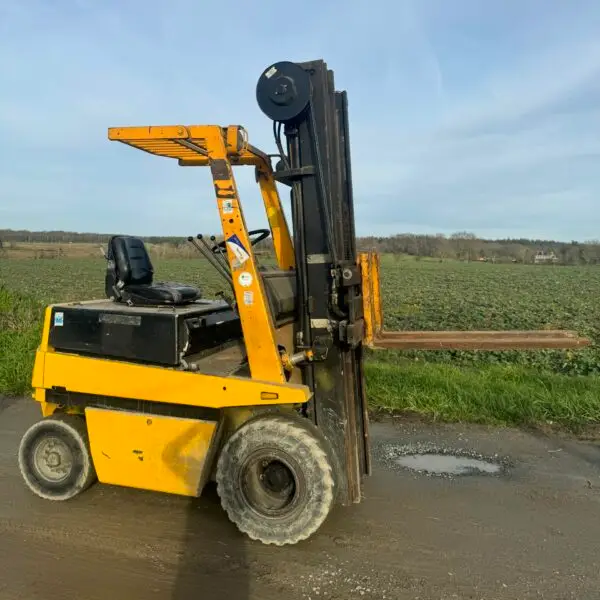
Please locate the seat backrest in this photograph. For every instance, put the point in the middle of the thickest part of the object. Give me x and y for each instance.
(128, 261)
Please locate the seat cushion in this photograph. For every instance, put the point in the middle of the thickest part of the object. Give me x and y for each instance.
(161, 293)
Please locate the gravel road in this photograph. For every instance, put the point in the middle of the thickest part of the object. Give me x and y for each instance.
(532, 530)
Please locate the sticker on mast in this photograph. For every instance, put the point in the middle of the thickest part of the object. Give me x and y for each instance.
(237, 248)
(245, 279)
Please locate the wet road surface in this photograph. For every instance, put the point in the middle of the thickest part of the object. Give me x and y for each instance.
(532, 531)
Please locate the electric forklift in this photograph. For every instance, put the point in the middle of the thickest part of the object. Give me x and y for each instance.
(262, 389)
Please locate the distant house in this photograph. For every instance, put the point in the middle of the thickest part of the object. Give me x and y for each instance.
(544, 258)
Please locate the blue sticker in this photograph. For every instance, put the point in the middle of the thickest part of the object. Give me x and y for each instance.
(59, 319)
(235, 245)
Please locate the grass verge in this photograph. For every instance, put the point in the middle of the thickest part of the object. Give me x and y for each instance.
(20, 331)
(488, 394)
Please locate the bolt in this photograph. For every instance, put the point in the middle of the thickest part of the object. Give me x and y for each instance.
(281, 89)
(53, 460)
(284, 91)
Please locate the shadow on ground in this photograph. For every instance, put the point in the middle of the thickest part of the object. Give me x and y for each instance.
(213, 563)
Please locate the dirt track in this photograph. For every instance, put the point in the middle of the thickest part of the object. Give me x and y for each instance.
(533, 532)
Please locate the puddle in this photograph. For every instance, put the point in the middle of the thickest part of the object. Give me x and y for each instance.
(432, 460)
(446, 464)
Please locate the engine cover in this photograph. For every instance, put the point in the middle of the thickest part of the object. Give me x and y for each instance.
(156, 335)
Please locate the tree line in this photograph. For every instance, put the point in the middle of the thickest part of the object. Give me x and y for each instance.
(467, 246)
(462, 245)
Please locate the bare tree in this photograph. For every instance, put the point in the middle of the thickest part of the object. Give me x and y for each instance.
(464, 243)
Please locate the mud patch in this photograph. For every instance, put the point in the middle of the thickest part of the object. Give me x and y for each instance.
(433, 461)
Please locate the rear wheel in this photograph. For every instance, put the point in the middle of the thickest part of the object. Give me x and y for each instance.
(55, 459)
(275, 480)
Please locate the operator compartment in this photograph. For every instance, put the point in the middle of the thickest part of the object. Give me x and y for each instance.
(161, 323)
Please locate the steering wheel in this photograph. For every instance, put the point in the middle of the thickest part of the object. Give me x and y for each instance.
(261, 234)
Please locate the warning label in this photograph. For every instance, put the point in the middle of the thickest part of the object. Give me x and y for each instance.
(237, 248)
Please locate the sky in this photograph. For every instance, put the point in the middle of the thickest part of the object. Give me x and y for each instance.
(474, 115)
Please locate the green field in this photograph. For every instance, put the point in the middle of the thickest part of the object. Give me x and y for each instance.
(524, 387)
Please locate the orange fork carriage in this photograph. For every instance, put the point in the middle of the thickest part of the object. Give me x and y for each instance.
(377, 338)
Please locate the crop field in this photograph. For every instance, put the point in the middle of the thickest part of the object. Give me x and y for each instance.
(417, 295)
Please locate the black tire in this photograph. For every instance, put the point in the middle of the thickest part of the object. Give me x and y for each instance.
(275, 479)
(55, 459)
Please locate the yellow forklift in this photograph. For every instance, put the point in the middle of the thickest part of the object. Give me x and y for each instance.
(155, 387)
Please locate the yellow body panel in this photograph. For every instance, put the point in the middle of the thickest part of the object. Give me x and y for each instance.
(48, 408)
(159, 384)
(151, 452)
(37, 377)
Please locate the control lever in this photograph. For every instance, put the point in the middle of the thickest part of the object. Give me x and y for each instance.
(205, 251)
(215, 261)
(216, 247)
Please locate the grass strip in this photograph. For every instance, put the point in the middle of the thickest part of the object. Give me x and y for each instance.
(504, 394)
(20, 331)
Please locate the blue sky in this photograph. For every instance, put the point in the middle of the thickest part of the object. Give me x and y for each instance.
(464, 114)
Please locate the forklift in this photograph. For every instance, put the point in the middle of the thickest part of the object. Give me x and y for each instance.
(261, 390)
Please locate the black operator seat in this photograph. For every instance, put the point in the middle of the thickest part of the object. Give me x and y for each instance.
(129, 276)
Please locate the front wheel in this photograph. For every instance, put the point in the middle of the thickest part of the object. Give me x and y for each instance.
(55, 459)
(275, 480)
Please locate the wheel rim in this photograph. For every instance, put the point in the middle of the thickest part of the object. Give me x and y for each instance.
(272, 483)
(52, 459)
